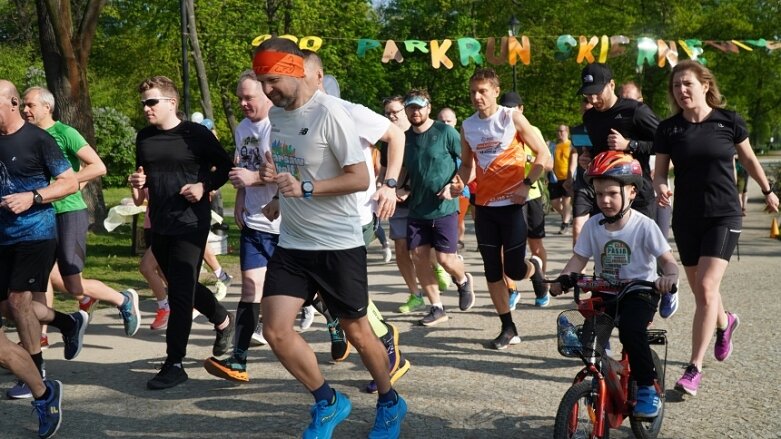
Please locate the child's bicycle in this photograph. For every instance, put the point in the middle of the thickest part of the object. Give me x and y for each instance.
(589, 409)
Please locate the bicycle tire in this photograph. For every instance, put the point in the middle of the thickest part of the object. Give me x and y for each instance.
(642, 428)
(580, 395)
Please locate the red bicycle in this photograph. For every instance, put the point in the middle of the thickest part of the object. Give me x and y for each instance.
(591, 407)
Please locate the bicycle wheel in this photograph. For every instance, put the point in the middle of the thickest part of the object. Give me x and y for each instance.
(576, 414)
(644, 428)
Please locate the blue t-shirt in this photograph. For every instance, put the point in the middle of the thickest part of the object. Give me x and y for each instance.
(29, 159)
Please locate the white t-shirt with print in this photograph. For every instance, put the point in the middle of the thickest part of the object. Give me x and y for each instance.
(252, 143)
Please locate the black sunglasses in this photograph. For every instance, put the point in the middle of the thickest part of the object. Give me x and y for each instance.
(151, 102)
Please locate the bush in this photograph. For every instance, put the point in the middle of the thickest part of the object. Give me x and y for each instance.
(116, 140)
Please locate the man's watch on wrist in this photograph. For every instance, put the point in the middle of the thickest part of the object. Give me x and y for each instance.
(632, 146)
(391, 183)
(768, 192)
(527, 181)
(37, 198)
(307, 188)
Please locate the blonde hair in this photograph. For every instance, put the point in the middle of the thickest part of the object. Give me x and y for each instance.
(713, 96)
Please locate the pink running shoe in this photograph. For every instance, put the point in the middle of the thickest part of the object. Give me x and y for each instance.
(161, 319)
(690, 381)
(723, 347)
(89, 306)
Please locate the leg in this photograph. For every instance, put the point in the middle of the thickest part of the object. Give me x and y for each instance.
(18, 361)
(370, 349)
(705, 282)
(153, 275)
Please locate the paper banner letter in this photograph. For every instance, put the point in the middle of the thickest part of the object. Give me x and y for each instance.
(311, 43)
(468, 50)
(411, 45)
(439, 53)
(617, 43)
(742, 46)
(693, 49)
(724, 46)
(646, 52)
(490, 51)
(603, 49)
(259, 39)
(517, 50)
(292, 38)
(585, 48)
(666, 53)
(365, 44)
(564, 45)
(758, 43)
(392, 52)
(773, 45)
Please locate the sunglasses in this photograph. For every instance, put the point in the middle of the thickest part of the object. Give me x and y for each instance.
(151, 102)
(393, 113)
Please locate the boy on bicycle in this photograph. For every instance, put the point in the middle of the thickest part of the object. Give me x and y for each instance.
(626, 245)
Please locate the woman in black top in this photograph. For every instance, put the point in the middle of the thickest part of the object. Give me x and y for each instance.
(702, 139)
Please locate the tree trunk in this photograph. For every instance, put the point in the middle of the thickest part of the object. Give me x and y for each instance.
(227, 107)
(200, 68)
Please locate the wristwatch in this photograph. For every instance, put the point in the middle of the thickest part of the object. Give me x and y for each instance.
(527, 181)
(768, 192)
(391, 183)
(307, 188)
(632, 147)
(37, 198)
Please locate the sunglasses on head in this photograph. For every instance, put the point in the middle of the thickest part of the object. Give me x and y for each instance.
(151, 102)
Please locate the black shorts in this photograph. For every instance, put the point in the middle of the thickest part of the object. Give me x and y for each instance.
(26, 266)
(501, 239)
(584, 202)
(556, 190)
(72, 241)
(710, 237)
(339, 276)
(534, 213)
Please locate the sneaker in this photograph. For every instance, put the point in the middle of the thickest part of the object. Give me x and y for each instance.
(49, 410)
(129, 312)
(515, 297)
(224, 338)
(564, 229)
(340, 347)
(225, 278)
(220, 291)
(690, 381)
(443, 279)
(326, 417)
(75, 340)
(668, 305)
(161, 319)
(538, 277)
(89, 306)
(508, 336)
(542, 302)
(257, 334)
(648, 402)
(306, 318)
(466, 294)
(391, 343)
(387, 254)
(435, 315)
(387, 423)
(231, 369)
(723, 347)
(414, 303)
(20, 390)
(44, 341)
(404, 366)
(170, 375)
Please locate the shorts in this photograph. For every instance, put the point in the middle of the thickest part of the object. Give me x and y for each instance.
(439, 233)
(26, 266)
(534, 214)
(742, 183)
(398, 223)
(501, 239)
(72, 241)
(256, 248)
(584, 201)
(556, 190)
(709, 237)
(340, 277)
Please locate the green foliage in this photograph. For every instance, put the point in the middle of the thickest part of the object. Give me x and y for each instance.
(115, 139)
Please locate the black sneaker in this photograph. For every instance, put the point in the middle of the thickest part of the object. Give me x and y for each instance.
(540, 289)
(340, 347)
(507, 337)
(224, 338)
(466, 294)
(75, 339)
(170, 375)
(435, 315)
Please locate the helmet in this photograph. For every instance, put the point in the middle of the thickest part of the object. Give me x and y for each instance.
(616, 165)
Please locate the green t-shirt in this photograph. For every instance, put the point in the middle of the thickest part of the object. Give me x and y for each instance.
(430, 160)
(70, 142)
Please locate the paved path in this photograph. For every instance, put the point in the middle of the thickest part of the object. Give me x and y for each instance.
(457, 388)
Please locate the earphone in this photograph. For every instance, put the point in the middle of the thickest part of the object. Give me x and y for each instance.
(14, 102)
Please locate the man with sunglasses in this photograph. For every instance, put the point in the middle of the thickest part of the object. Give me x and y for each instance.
(174, 160)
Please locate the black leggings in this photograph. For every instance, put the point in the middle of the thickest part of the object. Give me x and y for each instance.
(180, 258)
(500, 230)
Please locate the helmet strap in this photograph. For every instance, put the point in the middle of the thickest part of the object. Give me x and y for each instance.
(621, 213)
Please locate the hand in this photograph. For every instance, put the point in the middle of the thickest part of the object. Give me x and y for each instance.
(456, 187)
(555, 290)
(402, 195)
(521, 195)
(664, 195)
(192, 192)
(771, 200)
(268, 171)
(288, 185)
(665, 283)
(243, 177)
(238, 214)
(584, 158)
(138, 178)
(271, 210)
(18, 203)
(386, 201)
(567, 185)
(616, 141)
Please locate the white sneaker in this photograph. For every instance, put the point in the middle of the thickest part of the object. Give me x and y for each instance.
(221, 290)
(668, 305)
(387, 255)
(257, 335)
(306, 318)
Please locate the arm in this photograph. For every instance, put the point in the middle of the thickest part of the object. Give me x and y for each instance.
(750, 162)
(386, 196)
(670, 272)
(238, 208)
(354, 179)
(466, 171)
(576, 264)
(661, 169)
(139, 195)
(62, 186)
(92, 166)
(535, 143)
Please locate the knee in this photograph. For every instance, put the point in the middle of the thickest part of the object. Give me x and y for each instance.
(19, 301)
(276, 335)
(251, 291)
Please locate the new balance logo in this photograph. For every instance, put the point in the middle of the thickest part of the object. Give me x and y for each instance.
(303, 131)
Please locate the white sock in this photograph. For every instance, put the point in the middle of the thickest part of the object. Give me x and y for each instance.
(84, 300)
(218, 272)
(163, 304)
(438, 305)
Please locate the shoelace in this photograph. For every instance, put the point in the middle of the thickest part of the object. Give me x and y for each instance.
(691, 372)
(39, 407)
(336, 333)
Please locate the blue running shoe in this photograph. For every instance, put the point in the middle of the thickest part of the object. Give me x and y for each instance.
(668, 305)
(20, 390)
(515, 297)
(129, 312)
(542, 302)
(49, 410)
(387, 424)
(648, 403)
(75, 340)
(326, 417)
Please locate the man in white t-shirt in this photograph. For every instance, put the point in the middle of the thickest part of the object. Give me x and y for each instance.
(259, 235)
(319, 168)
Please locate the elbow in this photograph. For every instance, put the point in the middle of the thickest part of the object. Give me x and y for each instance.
(100, 170)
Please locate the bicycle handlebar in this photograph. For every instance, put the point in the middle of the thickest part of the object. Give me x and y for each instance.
(588, 283)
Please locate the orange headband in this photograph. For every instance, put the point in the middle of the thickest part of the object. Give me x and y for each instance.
(280, 63)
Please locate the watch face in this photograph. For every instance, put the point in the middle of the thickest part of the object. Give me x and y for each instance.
(307, 186)
(391, 183)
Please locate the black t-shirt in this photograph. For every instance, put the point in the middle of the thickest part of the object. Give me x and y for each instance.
(635, 121)
(703, 155)
(172, 158)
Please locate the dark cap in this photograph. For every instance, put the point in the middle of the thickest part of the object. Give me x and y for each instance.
(594, 78)
(510, 99)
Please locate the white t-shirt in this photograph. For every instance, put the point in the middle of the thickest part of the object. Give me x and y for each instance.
(629, 253)
(371, 127)
(314, 142)
(252, 142)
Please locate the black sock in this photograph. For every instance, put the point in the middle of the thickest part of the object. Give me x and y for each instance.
(45, 395)
(391, 396)
(38, 360)
(324, 393)
(63, 322)
(507, 320)
(246, 321)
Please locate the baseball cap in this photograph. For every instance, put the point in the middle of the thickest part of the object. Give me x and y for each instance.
(594, 78)
(420, 101)
(510, 99)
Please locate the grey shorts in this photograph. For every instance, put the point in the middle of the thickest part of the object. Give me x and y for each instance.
(72, 241)
(398, 223)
